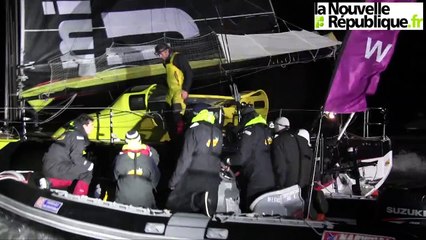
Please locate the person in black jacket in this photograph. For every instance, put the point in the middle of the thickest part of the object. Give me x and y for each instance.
(307, 158)
(65, 161)
(136, 172)
(253, 156)
(195, 182)
(292, 157)
(285, 154)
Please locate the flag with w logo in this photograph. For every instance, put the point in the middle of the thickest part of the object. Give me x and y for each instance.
(364, 56)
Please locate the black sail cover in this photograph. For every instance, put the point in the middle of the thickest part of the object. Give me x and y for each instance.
(68, 40)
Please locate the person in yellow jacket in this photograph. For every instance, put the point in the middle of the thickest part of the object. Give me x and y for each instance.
(179, 81)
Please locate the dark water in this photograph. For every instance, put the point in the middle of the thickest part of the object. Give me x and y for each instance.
(15, 227)
(409, 165)
(409, 170)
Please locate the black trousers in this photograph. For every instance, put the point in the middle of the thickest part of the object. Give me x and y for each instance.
(184, 197)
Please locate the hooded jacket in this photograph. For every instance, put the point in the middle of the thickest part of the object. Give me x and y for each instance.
(202, 148)
(197, 170)
(292, 160)
(137, 174)
(253, 156)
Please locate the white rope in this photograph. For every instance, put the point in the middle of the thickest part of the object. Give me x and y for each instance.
(14, 175)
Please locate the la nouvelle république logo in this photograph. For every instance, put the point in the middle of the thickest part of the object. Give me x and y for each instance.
(368, 16)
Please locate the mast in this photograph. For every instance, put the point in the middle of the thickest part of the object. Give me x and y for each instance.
(11, 60)
(6, 63)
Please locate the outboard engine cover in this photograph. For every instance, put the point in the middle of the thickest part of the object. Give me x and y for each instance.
(286, 202)
(403, 206)
(228, 197)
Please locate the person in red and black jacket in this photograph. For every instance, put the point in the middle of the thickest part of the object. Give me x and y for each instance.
(136, 172)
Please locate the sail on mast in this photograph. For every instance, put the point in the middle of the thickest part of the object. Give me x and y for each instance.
(74, 45)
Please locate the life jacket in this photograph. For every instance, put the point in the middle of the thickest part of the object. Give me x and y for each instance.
(134, 151)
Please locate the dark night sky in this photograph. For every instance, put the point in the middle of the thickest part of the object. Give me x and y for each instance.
(401, 89)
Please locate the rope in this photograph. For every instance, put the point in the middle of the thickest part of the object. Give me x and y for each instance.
(14, 175)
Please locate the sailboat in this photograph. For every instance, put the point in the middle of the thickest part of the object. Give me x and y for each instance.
(73, 49)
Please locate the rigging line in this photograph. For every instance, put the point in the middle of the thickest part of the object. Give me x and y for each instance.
(63, 101)
(209, 85)
(60, 111)
(272, 110)
(286, 23)
(257, 6)
(233, 16)
(278, 18)
(262, 9)
(254, 72)
(266, 67)
(312, 227)
(275, 16)
(314, 55)
(224, 37)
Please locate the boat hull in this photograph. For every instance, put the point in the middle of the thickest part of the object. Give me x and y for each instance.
(99, 219)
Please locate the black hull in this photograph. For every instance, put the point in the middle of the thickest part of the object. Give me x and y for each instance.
(94, 218)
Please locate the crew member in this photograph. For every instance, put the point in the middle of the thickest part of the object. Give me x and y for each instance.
(179, 81)
(195, 182)
(65, 160)
(253, 155)
(136, 172)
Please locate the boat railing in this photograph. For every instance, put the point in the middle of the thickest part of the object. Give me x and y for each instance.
(369, 122)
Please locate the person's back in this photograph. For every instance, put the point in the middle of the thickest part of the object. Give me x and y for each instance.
(292, 157)
(253, 155)
(306, 158)
(198, 166)
(257, 165)
(136, 173)
(285, 159)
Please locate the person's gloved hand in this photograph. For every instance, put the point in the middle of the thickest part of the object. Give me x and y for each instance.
(89, 164)
(225, 166)
(184, 94)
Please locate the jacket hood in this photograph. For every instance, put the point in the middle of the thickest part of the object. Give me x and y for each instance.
(256, 120)
(204, 115)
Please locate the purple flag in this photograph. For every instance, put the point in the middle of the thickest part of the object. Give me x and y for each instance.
(365, 55)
